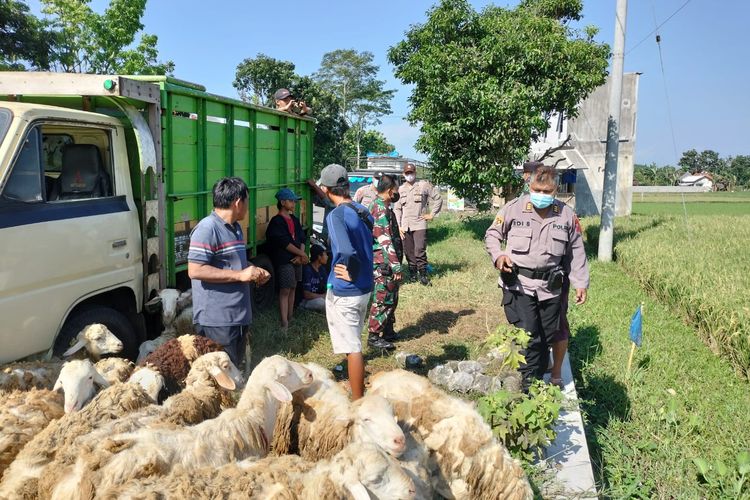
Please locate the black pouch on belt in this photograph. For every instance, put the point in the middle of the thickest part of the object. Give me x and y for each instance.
(510, 278)
(556, 278)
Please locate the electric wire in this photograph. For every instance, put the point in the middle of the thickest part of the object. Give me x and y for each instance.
(657, 27)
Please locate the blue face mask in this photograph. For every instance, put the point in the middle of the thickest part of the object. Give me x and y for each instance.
(541, 200)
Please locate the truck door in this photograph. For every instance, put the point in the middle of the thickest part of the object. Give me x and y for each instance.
(67, 231)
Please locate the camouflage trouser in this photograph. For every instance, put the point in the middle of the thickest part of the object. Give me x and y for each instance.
(384, 302)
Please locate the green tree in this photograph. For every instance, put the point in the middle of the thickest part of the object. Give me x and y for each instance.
(351, 77)
(258, 78)
(740, 167)
(24, 39)
(372, 141)
(483, 82)
(330, 128)
(705, 161)
(88, 42)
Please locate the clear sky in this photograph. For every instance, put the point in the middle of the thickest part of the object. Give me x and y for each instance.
(704, 46)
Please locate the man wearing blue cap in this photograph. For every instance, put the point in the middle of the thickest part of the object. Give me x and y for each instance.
(286, 240)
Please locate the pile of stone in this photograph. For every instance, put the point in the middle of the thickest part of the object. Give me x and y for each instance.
(469, 375)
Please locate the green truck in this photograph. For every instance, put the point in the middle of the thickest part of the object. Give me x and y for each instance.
(102, 178)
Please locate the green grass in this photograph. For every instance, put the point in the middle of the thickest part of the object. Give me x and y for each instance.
(700, 269)
(448, 320)
(711, 204)
(680, 403)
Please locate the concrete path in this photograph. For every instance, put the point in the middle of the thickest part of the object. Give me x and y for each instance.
(569, 454)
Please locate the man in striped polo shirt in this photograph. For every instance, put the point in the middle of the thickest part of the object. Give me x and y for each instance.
(220, 274)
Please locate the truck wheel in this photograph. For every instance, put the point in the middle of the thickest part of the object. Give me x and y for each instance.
(113, 319)
(263, 296)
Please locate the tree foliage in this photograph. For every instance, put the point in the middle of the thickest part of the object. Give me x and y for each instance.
(24, 39)
(351, 77)
(258, 78)
(88, 42)
(483, 82)
(370, 141)
(728, 173)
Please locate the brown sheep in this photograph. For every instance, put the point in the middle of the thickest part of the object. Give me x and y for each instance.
(173, 359)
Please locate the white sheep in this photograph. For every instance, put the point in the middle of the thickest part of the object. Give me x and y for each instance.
(94, 340)
(471, 461)
(210, 377)
(321, 421)
(97, 340)
(23, 414)
(359, 471)
(115, 369)
(237, 433)
(21, 478)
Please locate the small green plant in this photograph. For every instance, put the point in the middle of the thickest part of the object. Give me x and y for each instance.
(731, 481)
(523, 422)
(510, 342)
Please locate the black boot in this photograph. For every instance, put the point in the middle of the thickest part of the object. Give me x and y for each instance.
(423, 279)
(413, 274)
(379, 342)
(390, 334)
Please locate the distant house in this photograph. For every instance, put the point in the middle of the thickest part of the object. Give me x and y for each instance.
(701, 179)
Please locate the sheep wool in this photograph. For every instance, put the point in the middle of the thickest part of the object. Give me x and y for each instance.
(24, 414)
(21, 478)
(471, 460)
(25, 375)
(235, 434)
(359, 471)
(115, 369)
(173, 359)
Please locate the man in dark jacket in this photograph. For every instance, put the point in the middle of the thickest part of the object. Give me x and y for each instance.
(286, 240)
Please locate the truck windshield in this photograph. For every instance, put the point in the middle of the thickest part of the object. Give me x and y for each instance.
(5, 117)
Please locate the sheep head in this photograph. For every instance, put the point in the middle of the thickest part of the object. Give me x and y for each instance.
(375, 422)
(77, 378)
(218, 366)
(365, 469)
(97, 339)
(150, 379)
(169, 297)
(280, 376)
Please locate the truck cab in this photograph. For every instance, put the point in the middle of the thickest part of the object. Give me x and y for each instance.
(68, 225)
(102, 180)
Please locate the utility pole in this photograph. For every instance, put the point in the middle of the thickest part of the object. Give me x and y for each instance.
(607, 227)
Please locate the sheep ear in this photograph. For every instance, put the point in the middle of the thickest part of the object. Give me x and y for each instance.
(99, 380)
(76, 347)
(58, 384)
(358, 491)
(222, 378)
(279, 391)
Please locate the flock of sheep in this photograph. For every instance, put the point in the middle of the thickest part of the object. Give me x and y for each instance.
(175, 427)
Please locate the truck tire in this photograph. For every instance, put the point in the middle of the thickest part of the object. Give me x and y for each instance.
(263, 296)
(113, 319)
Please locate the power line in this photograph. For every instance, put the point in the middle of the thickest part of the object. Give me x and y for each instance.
(666, 89)
(657, 27)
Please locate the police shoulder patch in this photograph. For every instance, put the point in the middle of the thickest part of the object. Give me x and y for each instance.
(529, 207)
(555, 208)
(498, 220)
(577, 224)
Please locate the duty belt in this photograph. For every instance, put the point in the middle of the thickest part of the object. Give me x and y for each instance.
(535, 274)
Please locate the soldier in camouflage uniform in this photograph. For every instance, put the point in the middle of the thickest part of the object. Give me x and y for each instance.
(387, 255)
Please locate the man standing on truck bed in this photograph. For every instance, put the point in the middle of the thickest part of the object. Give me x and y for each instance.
(220, 274)
(412, 216)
